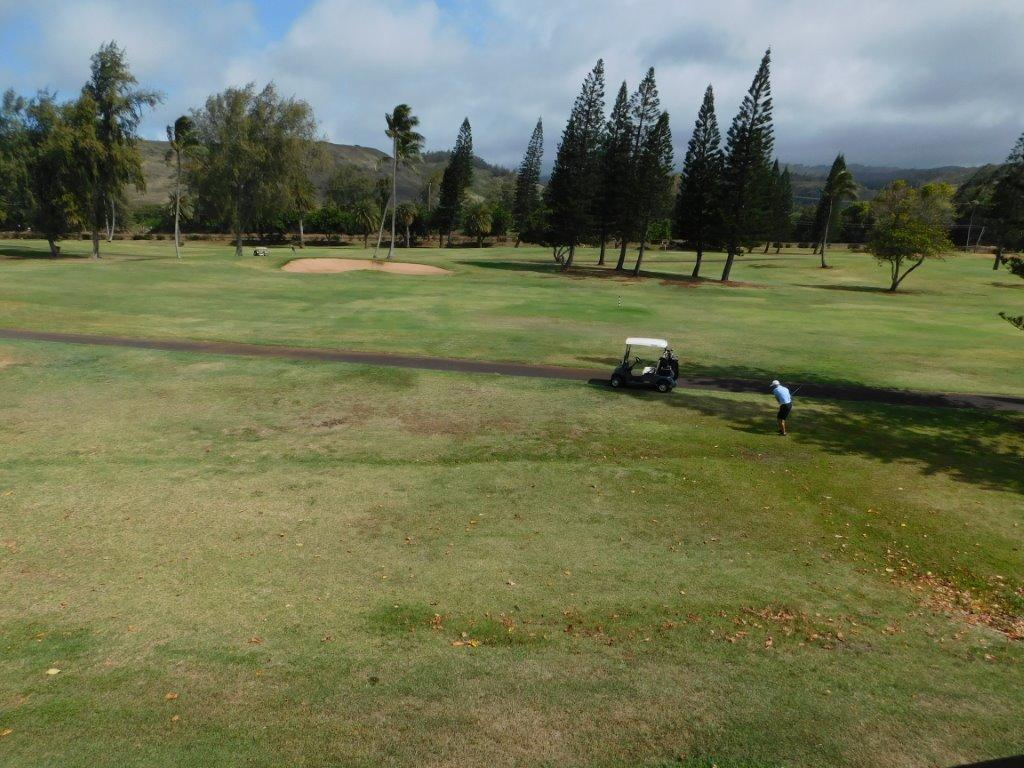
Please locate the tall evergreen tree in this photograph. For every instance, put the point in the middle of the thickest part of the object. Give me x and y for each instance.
(748, 152)
(458, 175)
(645, 110)
(780, 218)
(526, 206)
(1005, 210)
(654, 180)
(119, 106)
(616, 164)
(569, 197)
(698, 216)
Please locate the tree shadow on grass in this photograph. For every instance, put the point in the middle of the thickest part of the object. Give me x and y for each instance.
(581, 271)
(24, 252)
(982, 449)
(862, 289)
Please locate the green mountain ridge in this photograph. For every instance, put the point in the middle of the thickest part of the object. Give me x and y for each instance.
(412, 178)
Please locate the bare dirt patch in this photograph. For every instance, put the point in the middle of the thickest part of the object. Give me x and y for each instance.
(333, 266)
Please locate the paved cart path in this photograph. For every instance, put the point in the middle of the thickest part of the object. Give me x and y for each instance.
(822, 391)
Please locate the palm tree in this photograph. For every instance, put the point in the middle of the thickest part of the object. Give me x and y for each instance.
(407, 215)
(406, 144)
(840, 185)
(367, 217)
(182, 138)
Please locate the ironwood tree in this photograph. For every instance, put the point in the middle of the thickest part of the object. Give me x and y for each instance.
(120, 105)
(616, 167)
(569, 196)
(747, 168)
(698, 214)
(526, 204)
(458, 175)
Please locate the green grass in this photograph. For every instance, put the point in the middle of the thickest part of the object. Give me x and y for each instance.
(788, 319)
(342, 565)
(303, 553)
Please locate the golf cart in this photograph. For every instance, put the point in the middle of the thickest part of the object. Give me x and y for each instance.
(653, 365)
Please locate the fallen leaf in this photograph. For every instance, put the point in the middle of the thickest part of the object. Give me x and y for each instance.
(171, 696)
(6, 732)
(175, 718)
(53, 671)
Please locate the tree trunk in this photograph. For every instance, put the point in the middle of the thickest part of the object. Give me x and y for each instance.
(302, 234)
(767, 246)
(778, 247)
(569, 258)
(643, 246)
(620, 265)
(238, 228)
(440, 239)
(730, 257)
(54, 248)
(604, 242)
(998, 260)
(407, 236)
(366, 240)
(394, 196)
(380, 232)
(95, 241)
(700, 257)
(177, 210)
(824, 235)
(517, 240)
(113, 220)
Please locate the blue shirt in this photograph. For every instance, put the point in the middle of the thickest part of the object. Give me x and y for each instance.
(782, 395)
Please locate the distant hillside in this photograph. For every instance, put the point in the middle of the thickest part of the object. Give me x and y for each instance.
(808, 179)
(411, 179)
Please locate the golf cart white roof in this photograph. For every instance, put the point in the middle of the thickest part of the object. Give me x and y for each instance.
(639, 341)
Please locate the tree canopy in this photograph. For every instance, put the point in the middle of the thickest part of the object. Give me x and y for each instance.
(911, 227)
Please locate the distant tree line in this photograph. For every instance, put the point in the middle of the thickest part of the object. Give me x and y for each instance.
(243, 163)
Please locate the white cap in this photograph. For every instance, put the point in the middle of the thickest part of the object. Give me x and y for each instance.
(776, 384)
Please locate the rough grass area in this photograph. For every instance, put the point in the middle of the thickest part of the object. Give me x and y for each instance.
(256, 562)
(785, 317)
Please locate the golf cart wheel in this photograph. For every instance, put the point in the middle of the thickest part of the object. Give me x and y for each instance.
(663, 386)
(616, 381)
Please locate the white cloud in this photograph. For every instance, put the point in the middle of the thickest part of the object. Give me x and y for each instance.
(887, 81)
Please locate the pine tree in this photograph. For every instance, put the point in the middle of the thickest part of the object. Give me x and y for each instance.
(748, 151)
(645, 109)
(1006, 208)
(654, 177)
(782, 206)
(616, 163)
(526, 206)
(458, 175)
(698, 217)
(569, 197)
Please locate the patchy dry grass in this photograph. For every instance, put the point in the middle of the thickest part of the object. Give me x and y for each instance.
(278, 563)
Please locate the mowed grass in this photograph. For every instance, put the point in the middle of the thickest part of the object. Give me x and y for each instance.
(263, 563)
(786, 318)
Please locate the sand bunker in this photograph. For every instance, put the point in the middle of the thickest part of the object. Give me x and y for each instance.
(326, 266)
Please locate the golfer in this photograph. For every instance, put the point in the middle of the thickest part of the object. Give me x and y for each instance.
(785, 404)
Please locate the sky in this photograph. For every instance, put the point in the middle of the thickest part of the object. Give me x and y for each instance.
(907, 83)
